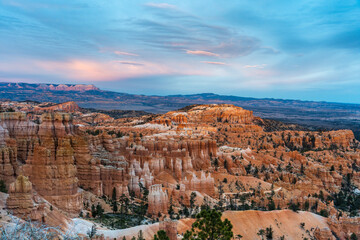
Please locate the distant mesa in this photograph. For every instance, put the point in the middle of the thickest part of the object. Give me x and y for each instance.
(53, 87)
(70, 106)
(63, 87)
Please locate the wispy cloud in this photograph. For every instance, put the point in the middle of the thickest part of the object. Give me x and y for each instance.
(255, 66)
(94, 70)
(85, 70)
(130, 63)
(125, 53)
(214, 63)
(160, 5)
(202, 53)
(269, 50)
(179, 39)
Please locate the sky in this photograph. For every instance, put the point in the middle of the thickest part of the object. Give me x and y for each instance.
(307, 50)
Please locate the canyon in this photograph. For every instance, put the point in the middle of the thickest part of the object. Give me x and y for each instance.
(311, 114)
(60, 163)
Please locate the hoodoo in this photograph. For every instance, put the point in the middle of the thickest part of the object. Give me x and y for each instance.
(59, 166)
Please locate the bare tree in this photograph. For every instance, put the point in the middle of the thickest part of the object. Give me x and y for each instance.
(92, 232)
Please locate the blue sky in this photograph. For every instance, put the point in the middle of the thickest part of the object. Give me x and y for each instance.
(283, 49)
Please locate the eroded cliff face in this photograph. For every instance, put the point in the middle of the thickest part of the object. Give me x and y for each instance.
(24, 202)
(218, 152)
(158, 201)
(186, 142)
(134, 160)
(43, 152)
(20, 200)
(69, 107)
(51, 164)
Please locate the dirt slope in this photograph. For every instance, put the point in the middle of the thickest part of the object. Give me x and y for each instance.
(283, 222)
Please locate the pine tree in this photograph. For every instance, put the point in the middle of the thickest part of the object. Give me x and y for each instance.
(261, 233)
(99, 210)
(192, 199)
(140, 235)
(208, 225)
(3, 187)
(225, 164)
(171, 208)
(353, 236)
(269, 233)
(114, 206)
(161, 235)
(302, 169)
(271, 205)
(93, 211)
(114, 198)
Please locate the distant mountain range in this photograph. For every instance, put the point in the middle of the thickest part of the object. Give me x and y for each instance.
(311, 114)
(48, 87)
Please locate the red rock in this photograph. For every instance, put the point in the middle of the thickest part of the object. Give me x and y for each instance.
(158, 201)
(62, 107)
(20, 200)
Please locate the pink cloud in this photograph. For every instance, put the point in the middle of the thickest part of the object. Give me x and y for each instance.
(79, 69)
(255, 66)
(102, 71)
(215, 63)
(125, 53)
(97, 70)
(202, 53)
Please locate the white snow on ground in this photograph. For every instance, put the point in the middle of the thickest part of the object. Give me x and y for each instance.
(164, 135)
(227, 149)
(79, 225)
(153, 126)
(178, 113)
(82, 226)
(172, 133)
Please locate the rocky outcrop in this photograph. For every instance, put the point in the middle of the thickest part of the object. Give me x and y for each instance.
(51, 167)
(323, 234)
(94, 118)
(204, 184)
(62, 107)
(43, 152)
(217, 151)
(158, 201)
(214, 113)
(25, 203)
(344, 227)
(3, 136)
(9, 167)
(170, 227)
(20, 202)
(16, 139)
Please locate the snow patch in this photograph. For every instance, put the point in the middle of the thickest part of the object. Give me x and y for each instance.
(82, 226)
(153, 126)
